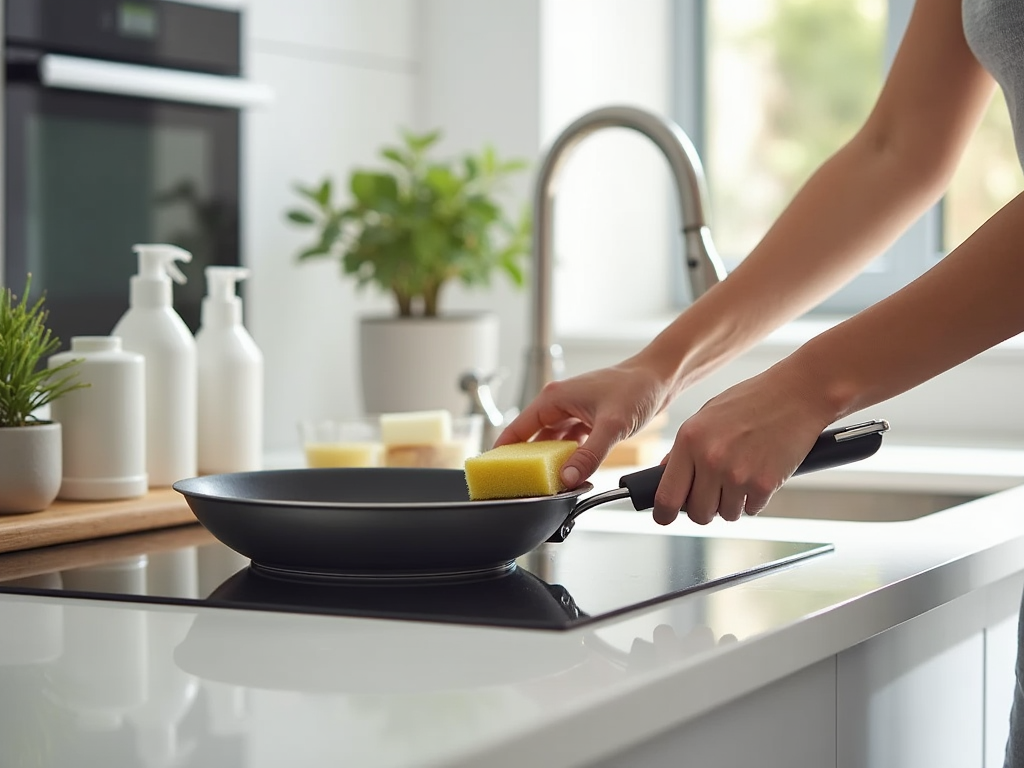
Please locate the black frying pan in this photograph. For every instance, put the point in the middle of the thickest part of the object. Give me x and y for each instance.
(402, 522)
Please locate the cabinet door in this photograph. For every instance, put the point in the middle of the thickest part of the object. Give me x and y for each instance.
(784, 725)
(1000, 656)
(1002, 607)
(913, 696)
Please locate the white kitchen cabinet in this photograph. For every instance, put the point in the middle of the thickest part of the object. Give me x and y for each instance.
(913, 696)
(1002, 608)
(935, 690)
(1000, 654)
(784, 725)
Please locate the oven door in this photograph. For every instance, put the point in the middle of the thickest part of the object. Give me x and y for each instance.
(95, 164)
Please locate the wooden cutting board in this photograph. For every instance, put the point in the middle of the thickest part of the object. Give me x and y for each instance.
(82, 554)
(67, 521)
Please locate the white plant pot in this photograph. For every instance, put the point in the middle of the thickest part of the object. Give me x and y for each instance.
(30, 467)
(415, 363)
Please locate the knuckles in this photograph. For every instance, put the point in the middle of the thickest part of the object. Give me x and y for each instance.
(761, 488)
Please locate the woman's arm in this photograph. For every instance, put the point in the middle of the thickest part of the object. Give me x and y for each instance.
(734, 453)
(972, 300)
(853, 207)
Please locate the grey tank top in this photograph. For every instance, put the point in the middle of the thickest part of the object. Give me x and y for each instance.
(995, 32)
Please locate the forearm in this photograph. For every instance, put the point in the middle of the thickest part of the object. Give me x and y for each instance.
(967, 303)
(852, 208)
(846, 214)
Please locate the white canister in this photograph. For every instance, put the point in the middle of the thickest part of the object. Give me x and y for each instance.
(104, 424)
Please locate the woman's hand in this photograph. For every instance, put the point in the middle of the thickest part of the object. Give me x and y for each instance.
(731, 456)
(596, 409)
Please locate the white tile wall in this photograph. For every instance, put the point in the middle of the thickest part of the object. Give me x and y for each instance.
(376, 31)
(347, 75)
(335, 104)
(480, 73)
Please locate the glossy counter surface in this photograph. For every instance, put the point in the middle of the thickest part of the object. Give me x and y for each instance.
(98, 683)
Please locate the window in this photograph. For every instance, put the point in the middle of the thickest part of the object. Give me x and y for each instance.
(768, 89)
(989, 176)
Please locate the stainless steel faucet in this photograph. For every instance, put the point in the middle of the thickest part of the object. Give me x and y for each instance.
(704, 267)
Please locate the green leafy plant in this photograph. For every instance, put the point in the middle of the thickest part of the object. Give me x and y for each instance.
(24, 343)
(419, 223)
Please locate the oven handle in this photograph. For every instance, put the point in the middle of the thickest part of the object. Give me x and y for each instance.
(75, 73)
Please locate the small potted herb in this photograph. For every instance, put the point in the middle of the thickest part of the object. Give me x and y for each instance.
(411, 229)
(30, 449)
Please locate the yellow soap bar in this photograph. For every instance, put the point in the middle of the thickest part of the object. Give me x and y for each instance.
(518, 469)
(637, 451)
(416, 427)
(436, 456)
(319, 455)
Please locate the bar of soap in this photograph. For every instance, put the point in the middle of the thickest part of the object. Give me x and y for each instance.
(435, 456)
(637, 451)
(518, 469)
(319, 455)
(416, 428)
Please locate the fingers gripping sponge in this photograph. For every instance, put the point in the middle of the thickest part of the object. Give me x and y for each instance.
(518, 469)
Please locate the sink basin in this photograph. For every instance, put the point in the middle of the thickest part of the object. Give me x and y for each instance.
(857, 505)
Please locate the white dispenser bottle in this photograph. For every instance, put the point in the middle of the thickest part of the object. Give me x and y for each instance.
(230, 380)
(104, 424)
(152, 328)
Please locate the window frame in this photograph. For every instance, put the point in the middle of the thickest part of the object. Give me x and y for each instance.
(916, 251)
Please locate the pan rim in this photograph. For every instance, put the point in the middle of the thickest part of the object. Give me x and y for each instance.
(181, 486)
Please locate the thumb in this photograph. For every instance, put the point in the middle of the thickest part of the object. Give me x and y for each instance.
(588, 457)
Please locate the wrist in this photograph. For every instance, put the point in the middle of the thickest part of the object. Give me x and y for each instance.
(685, 352)
(823, 380)
(663, 358)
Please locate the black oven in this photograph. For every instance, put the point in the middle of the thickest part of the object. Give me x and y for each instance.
(121, 126)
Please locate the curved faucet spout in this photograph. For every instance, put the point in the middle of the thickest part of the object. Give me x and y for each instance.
(703, 265)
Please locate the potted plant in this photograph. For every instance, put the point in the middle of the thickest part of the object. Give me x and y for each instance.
(30, 449)
(411, 229)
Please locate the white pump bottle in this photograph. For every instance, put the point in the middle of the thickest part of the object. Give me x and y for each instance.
(230, 380)
(152, 328)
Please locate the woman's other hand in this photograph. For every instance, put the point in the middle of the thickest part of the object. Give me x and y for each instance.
(730, 457)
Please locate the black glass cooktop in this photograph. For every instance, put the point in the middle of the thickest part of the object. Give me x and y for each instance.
(590, 576)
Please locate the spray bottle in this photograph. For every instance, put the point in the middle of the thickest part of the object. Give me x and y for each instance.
(152, 328)
(230, 380)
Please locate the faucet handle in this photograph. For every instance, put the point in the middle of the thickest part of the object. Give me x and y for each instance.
(481, 400)
(474, 378)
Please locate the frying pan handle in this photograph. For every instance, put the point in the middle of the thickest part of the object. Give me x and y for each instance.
(835, 446)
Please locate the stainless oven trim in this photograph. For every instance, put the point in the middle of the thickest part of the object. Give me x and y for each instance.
(94, 75)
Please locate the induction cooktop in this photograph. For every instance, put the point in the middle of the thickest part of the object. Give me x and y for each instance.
(593, 575)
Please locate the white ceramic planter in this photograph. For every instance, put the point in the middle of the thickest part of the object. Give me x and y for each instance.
(414, 364)
(30, 467)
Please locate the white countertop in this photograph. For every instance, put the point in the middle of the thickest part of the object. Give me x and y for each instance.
(317, 690)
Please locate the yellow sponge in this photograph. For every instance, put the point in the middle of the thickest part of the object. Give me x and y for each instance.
(518, 469)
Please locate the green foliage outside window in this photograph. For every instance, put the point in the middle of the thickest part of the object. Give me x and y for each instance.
(808, 73)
